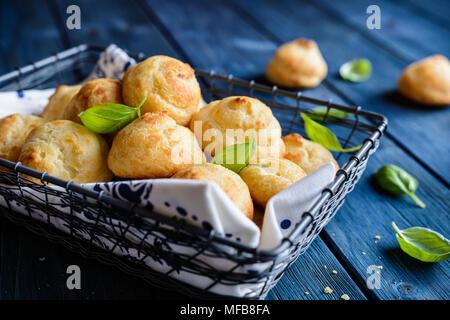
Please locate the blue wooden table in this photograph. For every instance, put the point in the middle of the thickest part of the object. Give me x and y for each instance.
(239, 37)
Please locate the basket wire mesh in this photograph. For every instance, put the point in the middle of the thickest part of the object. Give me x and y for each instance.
(72, 66)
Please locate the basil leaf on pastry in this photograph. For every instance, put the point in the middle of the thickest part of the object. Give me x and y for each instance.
(93, 93)
(233, 120)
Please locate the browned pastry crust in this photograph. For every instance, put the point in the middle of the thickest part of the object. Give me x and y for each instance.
(242, 114)
(307, 154)
(67, 150)
(54, 110)
(229, 181)
(169, 84)
(14, 129)
(427, 81)
(296, 64)
(93, 93)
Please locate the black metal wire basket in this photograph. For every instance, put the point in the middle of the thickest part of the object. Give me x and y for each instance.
(98, 209)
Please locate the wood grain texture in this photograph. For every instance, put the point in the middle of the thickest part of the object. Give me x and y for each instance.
(368, 212)
(121, 22)
(22, 34)
(436, 11)
(371, 209)
(430, 187)
(317, 261)
(36, 268)
(408, 38)
(409, 124)
(217, 35)
(194, 47)
(23, 274)
(46, 279)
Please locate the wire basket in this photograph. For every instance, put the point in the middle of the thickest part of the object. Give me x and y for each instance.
(72, 66)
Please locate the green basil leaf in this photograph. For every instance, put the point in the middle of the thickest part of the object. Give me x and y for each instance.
(319, 114)
(356, 70)
(237, 156)
(423, 244)
(320, 134)
(109, 117)
(140, 105)
(397, 181)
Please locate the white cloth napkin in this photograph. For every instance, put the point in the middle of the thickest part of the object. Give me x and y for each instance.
(200, 203)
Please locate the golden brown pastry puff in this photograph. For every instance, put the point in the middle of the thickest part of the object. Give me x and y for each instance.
(91, 94)
(67, 150)
(230, 182)
(267, 177)
(153, 146)
(14, 129)
(296, 64)
(427, 81)
(213, 122)
(169, 84)
(54, 110)
(307, 154)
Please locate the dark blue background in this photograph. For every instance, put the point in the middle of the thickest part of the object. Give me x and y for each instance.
(240, 37)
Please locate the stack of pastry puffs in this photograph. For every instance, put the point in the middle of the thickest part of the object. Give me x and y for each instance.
(161, 143)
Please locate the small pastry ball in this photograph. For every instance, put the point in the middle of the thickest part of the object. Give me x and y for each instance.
(91, 94)
(169, 84)
(427, 81)
(14, 129)
(307, 154)
(267, 177)
(54, 110)
(232, 120)
(67, 150)
(229, 181)
(296, 64)
(153, 146)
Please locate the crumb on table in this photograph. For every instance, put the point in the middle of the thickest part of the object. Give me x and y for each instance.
(327, 290)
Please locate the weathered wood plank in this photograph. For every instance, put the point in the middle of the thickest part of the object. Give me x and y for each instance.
(436, 10)
(121, 22)
(212, 43)
(368, 209)
(21, 39)
(259, 48)
(151, 47)
(39, 272)
(410, 124)
(404, 32)
(369, 212)
(98, 31)
(225, 24)
(324, 252)
(22, 273)
(296, 281)
(22, 34)
(8, 259)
